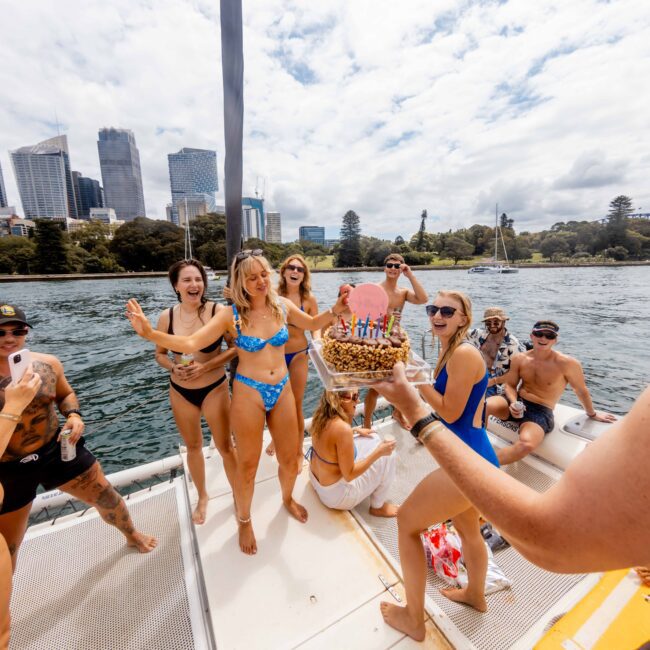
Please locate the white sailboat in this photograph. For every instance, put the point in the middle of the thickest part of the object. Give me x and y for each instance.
(496, 267)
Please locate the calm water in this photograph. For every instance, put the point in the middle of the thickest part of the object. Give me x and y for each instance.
(604, 317)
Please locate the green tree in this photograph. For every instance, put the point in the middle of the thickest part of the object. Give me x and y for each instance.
(618, 253)
(506, 223)
(208, 228)
(148, 245)
(213, 254)
(374, 250)
(518, 248)
(420, 244)
(17, 255)
(51, 255)
(457, 249)
(349, 252)
(554, 247)
(620, 210)
(91, 235)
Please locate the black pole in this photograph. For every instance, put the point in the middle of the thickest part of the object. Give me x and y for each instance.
(232, 64)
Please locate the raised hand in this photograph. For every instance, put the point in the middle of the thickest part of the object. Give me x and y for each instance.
(139, 321)
(18, 396)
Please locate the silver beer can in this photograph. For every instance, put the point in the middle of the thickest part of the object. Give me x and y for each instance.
(68, 449)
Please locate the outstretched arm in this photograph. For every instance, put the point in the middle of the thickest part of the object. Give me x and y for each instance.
(576, 378)
(571, 527)
(306, 322)
(209, 333)
(417, 295)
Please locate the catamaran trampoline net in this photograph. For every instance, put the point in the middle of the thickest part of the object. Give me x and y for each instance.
(511, 612)
(82, 588)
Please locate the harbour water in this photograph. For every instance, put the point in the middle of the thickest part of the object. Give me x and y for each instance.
(603, 313)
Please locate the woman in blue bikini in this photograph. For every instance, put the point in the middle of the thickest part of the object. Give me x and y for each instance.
(458, 398)
(295, 285)
(257, 321)
(200, 387)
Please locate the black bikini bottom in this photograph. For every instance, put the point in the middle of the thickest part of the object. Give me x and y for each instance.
(196, 395)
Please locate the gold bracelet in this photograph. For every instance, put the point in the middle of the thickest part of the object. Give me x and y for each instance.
(10, 416)
(428, 430)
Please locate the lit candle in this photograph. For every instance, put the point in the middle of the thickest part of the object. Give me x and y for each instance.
(390, 324)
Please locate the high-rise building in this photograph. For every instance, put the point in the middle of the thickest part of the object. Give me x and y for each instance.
(3, 193)
(253, 217)
(314, 234)
(273, 228)
(193, 176)
(119, 160)
(44, 179)
(89, 194)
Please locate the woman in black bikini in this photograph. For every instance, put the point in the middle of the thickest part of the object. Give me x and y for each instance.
(295, 284)
(200, 387)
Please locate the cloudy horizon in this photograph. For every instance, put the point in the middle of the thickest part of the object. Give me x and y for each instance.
(378, 107)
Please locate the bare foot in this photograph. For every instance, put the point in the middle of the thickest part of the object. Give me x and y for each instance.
(270, 450)
(247, 541)
(198, 516)
(296, 510)
(460, 596)
(399, 618)
(387, 510)
(144, 543)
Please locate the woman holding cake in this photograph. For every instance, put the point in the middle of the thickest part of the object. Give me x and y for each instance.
(257, 322)
(295, 285)
(458, 398)
(345, 468)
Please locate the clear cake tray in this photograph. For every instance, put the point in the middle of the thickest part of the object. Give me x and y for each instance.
(418, 371)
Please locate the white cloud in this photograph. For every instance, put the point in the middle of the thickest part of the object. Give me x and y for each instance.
(382, 107)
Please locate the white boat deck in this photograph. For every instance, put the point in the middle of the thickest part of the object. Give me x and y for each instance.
(314, 585)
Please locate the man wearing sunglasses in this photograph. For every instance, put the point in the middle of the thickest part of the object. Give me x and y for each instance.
(33, 453)
(394, 266)
(496, 343)
(537, 379)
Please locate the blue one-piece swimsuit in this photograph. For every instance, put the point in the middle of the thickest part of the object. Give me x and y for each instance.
(268, 392)
(463, 427)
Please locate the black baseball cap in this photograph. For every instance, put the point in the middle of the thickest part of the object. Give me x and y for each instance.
(12, 314)
(546, 326)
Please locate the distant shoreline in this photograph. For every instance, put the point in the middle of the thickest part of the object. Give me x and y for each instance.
(162, 274)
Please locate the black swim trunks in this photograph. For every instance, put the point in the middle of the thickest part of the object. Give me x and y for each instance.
(21, 478)
(537, 413)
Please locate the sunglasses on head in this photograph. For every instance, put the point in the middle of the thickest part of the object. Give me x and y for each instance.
(242, 255)
(393, 265)
(551, 336)
(445, 312)
(17, 332)
(297, 269)
(350, 397)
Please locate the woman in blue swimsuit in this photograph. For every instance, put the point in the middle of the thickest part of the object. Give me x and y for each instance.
(295, 285)
(458, 398)
(257, 321)
(199, 388)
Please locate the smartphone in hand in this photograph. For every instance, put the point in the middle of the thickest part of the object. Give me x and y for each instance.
(18, 363)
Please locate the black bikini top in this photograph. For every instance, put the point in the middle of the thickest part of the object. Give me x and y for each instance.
(211, 348)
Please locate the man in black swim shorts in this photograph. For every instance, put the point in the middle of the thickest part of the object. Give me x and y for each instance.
(537, 379)
(33, 454)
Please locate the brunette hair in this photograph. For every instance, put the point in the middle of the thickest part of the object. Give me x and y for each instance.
(329, 408)
(461, 332)
(175, 270)
(239, 271)
(305, 285)
(394, 256)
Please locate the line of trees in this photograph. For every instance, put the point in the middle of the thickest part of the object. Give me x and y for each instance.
(150, 245)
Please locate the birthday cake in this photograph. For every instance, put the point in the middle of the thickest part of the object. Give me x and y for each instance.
(371, 346)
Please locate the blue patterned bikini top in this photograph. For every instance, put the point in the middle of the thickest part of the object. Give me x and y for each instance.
(255, 343)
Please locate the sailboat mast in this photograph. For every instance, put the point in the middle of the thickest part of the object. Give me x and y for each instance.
(496, 233)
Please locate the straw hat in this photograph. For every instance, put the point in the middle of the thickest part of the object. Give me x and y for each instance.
(495, 312)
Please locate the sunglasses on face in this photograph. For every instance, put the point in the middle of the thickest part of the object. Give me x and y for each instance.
(17, 332)
(391, 265)
(496, 322)
(350, 397)
(297, 269)
(445, 312)
(242, 255)
(551, 336)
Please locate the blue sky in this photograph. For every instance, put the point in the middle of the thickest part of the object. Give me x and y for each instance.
(381, 107)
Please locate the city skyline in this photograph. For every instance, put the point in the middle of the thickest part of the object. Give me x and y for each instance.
(447, 107)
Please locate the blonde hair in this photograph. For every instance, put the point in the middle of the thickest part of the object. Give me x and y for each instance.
(461, 333)
(305, 286)
(240, 270)
(329, 408)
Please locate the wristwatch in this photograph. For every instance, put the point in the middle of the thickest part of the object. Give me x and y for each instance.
(70, 412)
(422, 422)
